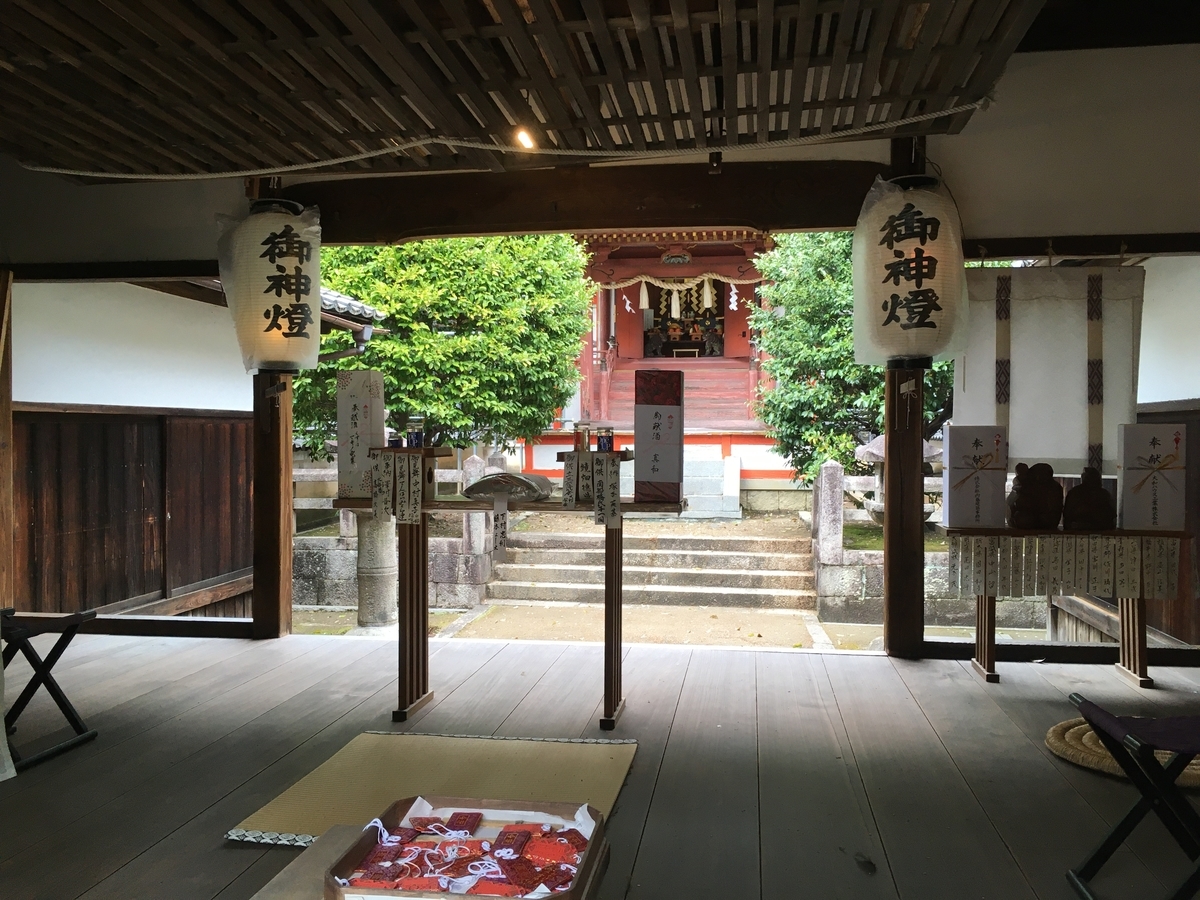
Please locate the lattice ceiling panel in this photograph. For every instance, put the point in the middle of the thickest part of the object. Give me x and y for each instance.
(227, 85)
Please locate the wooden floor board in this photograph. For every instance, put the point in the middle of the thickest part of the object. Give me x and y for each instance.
(481, 703)
(150, 767)
(939, 842)
(563, 701)
(263, 758)
(653, 680)
(1035, 704)
(451, 663)
(92, 696)
(816, 826)
(758, 774)
(701, 837)
(129, 718)
(1042, 819)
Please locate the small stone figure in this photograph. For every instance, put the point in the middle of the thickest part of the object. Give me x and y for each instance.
(1089, 507)
(1036, 501)
(654, 343)
(714, 342)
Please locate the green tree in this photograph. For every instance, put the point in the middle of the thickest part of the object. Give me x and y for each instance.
(822, 404)
(484, 334)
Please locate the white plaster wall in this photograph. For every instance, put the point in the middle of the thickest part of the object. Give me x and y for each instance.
(1170, 361)
(1082, 142)
(121, 345)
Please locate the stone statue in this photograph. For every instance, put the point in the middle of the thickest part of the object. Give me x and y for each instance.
(654, 343)
(714, 342)
(1036, 501)
(1089, 507)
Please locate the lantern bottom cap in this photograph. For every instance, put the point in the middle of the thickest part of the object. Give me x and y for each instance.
(912, 362)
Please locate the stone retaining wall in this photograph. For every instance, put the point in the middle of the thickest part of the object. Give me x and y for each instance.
(850, 582)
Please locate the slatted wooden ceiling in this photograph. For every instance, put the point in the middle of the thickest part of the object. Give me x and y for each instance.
(223, 85)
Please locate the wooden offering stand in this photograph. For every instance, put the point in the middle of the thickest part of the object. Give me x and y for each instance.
(1132, 662)
(414, 588)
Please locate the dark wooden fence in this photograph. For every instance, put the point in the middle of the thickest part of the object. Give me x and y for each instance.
(129, 512)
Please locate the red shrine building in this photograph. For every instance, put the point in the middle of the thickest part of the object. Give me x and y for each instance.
(678, 300)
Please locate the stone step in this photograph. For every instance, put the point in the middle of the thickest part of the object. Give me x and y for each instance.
(667, 559)
(667, 595)
(595, 541)
(732, 579)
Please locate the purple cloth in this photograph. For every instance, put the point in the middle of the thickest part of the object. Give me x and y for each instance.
(1175, 734)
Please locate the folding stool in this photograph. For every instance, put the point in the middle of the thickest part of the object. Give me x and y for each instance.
(1132, 740)
(17, 637)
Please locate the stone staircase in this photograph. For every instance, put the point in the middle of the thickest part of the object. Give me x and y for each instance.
(693, 571)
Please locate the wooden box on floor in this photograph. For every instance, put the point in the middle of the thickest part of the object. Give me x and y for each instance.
(587, 880)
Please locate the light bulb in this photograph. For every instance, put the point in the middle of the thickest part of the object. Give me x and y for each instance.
(524, 139)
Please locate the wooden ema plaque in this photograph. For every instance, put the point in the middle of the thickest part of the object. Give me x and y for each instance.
(658, 436)
(591, 866)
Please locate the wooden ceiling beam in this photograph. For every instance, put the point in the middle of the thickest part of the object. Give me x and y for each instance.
(729, 67)
(648, 44)
(681, 23)
(761, 196)
(806, 19)
(614, 72)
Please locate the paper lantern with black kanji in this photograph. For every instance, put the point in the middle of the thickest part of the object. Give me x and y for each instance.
(270, 266)
(909, 281)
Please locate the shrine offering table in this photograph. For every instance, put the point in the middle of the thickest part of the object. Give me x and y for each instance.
(1132, 566)
(414, 593)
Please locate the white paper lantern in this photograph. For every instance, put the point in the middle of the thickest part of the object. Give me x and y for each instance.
(270, 266)
(643, 297)
(909, 281)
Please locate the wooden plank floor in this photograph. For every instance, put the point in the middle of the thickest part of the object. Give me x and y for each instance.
(766, 774)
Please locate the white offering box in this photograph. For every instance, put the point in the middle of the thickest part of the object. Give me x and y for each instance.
(360, 427)
(975, 460)
(1151, 462)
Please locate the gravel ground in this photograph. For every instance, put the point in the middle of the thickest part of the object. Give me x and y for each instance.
(644, 625)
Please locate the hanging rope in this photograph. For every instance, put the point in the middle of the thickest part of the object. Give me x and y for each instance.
(671, 284)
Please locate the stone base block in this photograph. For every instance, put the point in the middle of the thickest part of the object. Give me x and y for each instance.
(456, 596)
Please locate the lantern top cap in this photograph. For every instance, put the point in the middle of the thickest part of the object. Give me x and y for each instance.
(913, 182)
(275, 204)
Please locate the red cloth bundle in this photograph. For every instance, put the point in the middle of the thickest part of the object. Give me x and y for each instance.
(556, 877)
(425, 883)
(422, 823)
(574, 837)
(520, 871)
(464, 821)
(509, 843)
(491, 887)
(546, 851)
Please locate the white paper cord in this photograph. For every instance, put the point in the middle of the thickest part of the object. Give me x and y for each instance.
(466, 144)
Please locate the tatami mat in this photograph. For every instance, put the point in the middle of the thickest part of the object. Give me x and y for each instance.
(374, 770)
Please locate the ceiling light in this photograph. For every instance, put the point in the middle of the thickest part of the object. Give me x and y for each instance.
(524, 139)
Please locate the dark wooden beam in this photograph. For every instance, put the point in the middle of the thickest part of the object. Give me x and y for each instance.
(272, 504)
(153, 626)
(1082, 246)
(7, 508)
(123, 270)
(764, 196)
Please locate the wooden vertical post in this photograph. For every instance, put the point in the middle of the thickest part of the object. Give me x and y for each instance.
(413, 598)
(7, 510)
(614, 699)
(903, 510)
(272, 608)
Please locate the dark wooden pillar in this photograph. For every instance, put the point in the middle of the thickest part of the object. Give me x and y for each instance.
(903, 512)
(7, 510)
(413, 598)
(272, 504)
(614, 698)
